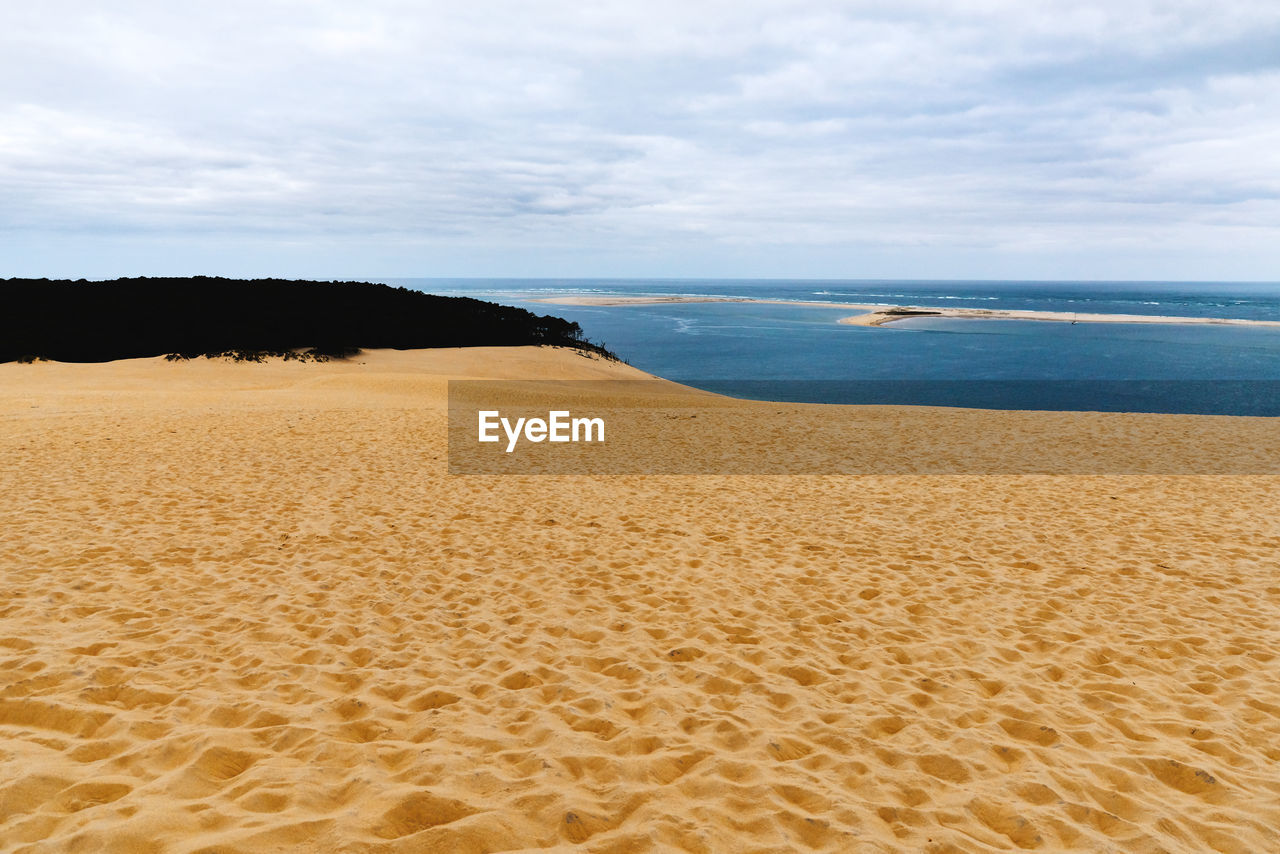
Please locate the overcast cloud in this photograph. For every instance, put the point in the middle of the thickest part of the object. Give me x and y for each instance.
(819, 139)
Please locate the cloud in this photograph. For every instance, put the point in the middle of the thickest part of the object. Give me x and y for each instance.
(619, 139)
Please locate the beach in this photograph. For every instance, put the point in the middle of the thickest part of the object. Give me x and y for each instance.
(247, 609)
(881, 315)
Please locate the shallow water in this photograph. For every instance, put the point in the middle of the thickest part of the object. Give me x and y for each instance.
(743, 348)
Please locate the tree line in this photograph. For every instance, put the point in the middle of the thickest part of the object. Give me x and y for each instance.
(88, 321)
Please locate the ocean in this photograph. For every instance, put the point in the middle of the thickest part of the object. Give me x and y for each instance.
(800, 353)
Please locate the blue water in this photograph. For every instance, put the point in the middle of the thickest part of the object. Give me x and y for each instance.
(745, 348)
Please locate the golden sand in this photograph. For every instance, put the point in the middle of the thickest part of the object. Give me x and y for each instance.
(246, 609)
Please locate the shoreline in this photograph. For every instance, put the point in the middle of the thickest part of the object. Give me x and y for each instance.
(882, 315)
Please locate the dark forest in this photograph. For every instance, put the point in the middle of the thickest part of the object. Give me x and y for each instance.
(83, 321)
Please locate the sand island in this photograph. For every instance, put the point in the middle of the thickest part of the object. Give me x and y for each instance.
(880, 315)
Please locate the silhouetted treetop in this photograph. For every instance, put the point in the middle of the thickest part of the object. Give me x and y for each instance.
(84, 321)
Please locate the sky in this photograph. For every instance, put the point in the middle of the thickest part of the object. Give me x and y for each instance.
(994, 139)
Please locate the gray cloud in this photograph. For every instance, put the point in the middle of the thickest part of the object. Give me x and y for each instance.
(1039, 139)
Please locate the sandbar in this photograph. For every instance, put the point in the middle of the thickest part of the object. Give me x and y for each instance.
(880, 315)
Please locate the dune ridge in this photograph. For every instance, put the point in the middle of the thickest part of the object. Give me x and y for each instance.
(246, 609)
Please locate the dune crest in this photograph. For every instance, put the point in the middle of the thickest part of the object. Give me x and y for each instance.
(246, 609)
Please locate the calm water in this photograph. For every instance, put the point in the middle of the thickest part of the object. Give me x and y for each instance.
(801, 353)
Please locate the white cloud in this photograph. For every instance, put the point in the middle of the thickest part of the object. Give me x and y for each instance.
(507, 138)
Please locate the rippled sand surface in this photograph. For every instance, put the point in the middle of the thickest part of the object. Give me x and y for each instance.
(244, 609)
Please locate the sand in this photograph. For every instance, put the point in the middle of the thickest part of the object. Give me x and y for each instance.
(881, 315)
(245, 609)
(891, 314)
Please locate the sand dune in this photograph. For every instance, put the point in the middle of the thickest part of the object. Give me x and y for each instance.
(246, 609)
